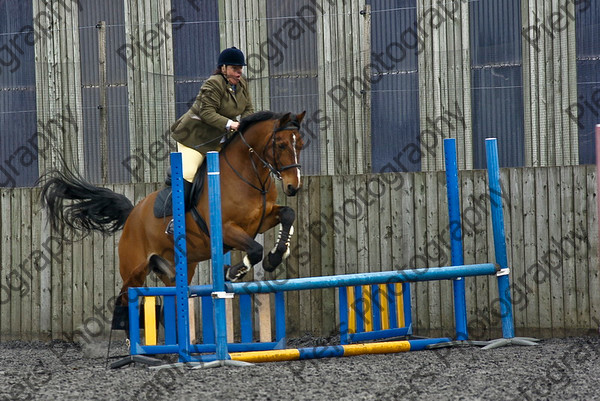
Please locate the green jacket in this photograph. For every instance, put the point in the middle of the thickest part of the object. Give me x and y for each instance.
(202, 127)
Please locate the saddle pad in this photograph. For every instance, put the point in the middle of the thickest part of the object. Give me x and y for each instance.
(163, 204)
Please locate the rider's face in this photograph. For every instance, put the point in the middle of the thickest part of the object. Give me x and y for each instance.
(233, 73)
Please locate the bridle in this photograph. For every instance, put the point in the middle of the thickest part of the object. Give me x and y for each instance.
(275, 170)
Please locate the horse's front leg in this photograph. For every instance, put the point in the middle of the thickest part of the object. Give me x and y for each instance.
(234, 236)
(281, 251)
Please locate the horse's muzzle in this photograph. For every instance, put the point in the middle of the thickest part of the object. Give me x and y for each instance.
(291, 190)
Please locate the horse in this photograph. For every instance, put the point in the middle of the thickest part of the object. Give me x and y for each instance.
(266, 147)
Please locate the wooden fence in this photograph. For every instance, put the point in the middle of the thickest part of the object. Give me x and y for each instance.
(346, 224)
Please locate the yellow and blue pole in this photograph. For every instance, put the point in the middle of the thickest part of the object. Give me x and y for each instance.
(335, 351)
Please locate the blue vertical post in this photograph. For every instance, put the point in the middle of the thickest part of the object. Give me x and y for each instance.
(491, 147)
(216, 243)
(343, 307)
(134, 321)
(170, 321)
(181, 278)
(456, 245)
(392, 305)
(407, 306)
(279, 315)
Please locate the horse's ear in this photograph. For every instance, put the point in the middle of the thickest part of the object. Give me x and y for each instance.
(285, 119)
(300, 116)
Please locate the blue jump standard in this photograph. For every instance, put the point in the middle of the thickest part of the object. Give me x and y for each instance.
(177, 340)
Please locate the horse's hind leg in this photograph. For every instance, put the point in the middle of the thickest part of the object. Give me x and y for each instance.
(134, 278)
(163, 269)
(281, 250)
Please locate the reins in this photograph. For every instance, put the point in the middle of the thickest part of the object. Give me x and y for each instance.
(274, 170)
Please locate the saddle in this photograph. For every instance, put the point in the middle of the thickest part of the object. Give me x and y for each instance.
(163, 204)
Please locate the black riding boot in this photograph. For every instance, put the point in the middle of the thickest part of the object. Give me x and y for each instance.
(187, 200)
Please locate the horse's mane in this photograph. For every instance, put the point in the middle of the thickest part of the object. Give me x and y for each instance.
(252, 119)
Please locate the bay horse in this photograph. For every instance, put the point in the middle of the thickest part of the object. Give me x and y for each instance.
(266, 146)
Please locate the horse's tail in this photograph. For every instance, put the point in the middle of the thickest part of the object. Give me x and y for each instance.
(88, 207)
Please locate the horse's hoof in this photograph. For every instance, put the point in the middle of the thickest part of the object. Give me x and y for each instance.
(235, 273)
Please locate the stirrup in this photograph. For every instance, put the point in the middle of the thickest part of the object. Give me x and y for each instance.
(170, 230)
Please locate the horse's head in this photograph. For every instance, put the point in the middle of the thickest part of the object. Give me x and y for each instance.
(286, 144)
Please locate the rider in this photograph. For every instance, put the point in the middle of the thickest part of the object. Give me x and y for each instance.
(222, 101)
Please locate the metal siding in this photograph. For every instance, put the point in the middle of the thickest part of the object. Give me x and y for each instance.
(18, 143)
(588, 79)
(195, 48)
(112, 12)
(293, 72)
(496, 75)
(498, 113)
(395, 93)
(495, 29)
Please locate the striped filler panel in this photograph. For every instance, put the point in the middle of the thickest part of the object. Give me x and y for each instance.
(372, 312)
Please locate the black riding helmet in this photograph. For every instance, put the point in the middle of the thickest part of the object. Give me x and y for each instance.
(231, 56)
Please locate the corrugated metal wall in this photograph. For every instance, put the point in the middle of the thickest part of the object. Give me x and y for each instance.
(195, 48)
(382, 82)
(586, 111)
(395, 88)
(442, 31)
(17, 96)
(149, 29)
(111, 12)
(293, 71)
(496, 86)
(549, 82)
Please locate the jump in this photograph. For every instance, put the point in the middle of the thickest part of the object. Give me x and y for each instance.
(266, 148)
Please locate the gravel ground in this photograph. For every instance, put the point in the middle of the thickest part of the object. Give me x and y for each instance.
(555, 369)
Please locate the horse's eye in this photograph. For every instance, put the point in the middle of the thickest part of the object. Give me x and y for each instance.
(282, 146)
